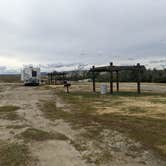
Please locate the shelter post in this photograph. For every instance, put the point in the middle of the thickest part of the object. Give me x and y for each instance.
(93, 77)
(48, 78)
(54, 79)
(117, 80)
(111, 78)
(51, 78)
(138, 79)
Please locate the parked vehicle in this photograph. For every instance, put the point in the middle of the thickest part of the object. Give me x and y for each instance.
(31, 76)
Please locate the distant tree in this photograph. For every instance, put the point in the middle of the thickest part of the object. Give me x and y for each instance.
(148, 75)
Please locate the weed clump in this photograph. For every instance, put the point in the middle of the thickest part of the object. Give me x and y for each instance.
(14, 154)
(9, 112)
(32, 134)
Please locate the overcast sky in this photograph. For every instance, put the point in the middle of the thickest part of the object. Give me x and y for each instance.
(56, 33)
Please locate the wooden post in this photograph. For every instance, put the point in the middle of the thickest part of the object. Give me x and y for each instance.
(67, 89)
(67, 85)
(63, 77)
(54, 78)
(117, 80)
(111, 78)
(51, 78)
(93, 77)
(138, 79)
(48, 78)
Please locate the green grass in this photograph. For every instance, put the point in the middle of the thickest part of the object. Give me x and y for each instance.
(14, 154)
(9, 112)
(32, 134)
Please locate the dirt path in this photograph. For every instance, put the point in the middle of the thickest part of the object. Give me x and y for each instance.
(124, 152)
(49, 153)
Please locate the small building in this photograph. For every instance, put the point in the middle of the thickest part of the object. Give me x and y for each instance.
(31, 76)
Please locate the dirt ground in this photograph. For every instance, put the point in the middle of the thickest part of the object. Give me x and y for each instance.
(124, 151)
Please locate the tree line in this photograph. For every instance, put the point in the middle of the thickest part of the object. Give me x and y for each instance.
(149, 75)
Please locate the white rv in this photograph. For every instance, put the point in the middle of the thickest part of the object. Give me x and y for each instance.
(31, 76)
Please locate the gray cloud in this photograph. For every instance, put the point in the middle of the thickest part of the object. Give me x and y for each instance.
(158, 61)
(86, 32)
(5, 70)
(61, 66)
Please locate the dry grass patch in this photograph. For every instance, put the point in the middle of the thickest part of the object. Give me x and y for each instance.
(51, 111)
(16, 126)
(150, 131)
(9, 112)
(14, 154)
(80, 116)
(134, 110)
(32, 134)
(158, 100)
(92, 146)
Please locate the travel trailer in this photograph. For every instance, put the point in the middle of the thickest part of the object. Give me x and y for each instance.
(31, 76)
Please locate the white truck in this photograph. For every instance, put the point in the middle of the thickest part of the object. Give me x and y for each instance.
(31, 76)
